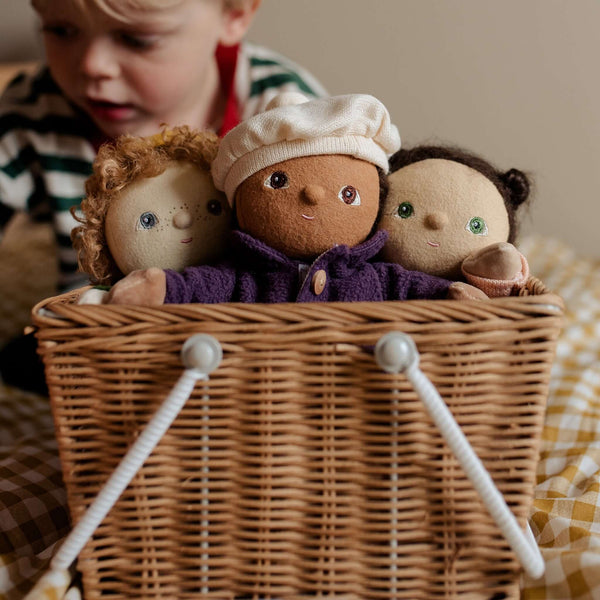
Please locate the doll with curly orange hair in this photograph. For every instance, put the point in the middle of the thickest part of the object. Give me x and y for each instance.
(151, 201)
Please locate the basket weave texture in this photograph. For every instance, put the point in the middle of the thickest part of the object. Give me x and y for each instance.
(300, 469)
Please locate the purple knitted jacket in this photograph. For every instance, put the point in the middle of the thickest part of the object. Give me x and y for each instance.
(255, 272)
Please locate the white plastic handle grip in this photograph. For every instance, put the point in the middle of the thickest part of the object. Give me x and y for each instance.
(396, 352)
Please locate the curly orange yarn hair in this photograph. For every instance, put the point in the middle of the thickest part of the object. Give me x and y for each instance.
(117, 165)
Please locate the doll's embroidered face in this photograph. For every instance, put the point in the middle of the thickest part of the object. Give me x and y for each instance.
(437, 212)
(173, 220)
(304, 206)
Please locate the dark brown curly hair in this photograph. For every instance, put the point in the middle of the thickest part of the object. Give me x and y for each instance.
(119, 164)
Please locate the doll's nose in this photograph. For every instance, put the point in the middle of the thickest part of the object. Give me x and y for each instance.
(436, 220)
(313, 194)
(182, 220)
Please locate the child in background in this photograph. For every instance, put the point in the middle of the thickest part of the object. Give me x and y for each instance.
(125, 66)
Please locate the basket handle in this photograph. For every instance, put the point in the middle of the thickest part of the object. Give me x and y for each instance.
(396, 352)
(200, 354)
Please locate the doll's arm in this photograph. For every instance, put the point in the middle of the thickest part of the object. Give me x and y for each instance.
(402, 284)
(143, 288)
(154, 287)
(497, 269)
(206, 284)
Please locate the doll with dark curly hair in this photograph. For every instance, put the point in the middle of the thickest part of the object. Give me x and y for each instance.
(151, 202)
(451, 213)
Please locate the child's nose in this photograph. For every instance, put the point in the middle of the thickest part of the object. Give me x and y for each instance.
(436, 220)
(97, 60)
(182, 220)
(313, 194)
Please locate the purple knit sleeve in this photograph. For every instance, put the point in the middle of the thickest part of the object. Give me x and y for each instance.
(203, 284)
(400, 284)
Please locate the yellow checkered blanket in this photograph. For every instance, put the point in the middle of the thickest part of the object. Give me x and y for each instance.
(565, 516)
(566, 508)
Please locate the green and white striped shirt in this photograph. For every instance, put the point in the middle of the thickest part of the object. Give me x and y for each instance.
(46, 149)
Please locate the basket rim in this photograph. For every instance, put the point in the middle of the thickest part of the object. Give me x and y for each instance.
(55, 311)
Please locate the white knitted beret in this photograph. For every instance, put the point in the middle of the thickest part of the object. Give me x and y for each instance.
(293, 126)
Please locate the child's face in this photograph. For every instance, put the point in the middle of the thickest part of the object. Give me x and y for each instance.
(304, 206)
(439, 211)
(172, 221)
(135, 74)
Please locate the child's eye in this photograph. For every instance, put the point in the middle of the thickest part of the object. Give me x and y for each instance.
(406, 210)
(62, 31)
(477, 226)
(349, 195)
(277, 180)
(148, 220)
(137, 41)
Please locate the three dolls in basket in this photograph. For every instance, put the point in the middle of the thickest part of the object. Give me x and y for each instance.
(309, 201)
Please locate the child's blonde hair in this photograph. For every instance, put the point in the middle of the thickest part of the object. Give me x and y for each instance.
(125, 10)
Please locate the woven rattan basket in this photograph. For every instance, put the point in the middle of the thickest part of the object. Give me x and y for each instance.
(300, 469)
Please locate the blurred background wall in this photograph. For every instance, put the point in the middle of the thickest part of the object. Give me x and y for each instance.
(514, 80)
(19, 39)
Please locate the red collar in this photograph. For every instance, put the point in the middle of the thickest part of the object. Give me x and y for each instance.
(227, 57)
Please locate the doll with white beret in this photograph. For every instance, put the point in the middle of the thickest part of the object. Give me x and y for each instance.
(305, 180)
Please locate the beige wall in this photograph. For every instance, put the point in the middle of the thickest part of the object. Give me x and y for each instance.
(514, 80)
(19, 40)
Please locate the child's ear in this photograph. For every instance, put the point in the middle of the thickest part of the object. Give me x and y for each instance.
(237, 18)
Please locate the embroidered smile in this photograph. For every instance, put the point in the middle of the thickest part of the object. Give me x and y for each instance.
(434, 244)
(308, 218)
(186, 240)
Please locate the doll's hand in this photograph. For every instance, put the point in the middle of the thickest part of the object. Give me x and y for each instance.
(463, 291)
(497, 261)
(143, 288)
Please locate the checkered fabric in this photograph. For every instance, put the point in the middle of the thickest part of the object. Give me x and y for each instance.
(566, 511)
(33, 503)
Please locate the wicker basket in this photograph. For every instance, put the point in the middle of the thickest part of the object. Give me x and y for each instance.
(300, 469)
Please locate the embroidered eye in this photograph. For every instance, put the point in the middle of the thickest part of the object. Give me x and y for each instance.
(277, 180)
(406, 210)
(148, 220)
(477, 226)
(349, 195)
(214, 207)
